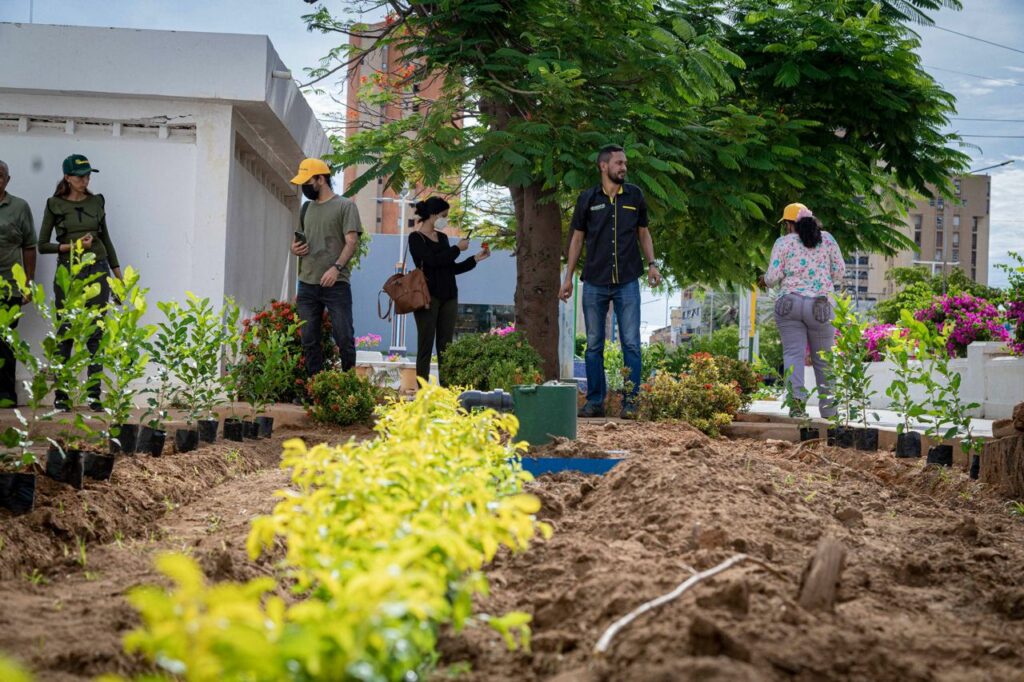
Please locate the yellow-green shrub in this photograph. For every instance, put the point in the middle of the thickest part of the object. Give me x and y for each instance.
(385, 542)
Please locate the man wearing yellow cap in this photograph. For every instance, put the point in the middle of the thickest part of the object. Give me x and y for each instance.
(328, 237)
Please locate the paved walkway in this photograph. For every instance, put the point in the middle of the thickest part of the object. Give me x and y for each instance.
(886, 419)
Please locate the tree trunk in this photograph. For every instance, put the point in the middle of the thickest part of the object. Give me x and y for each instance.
(538, 271)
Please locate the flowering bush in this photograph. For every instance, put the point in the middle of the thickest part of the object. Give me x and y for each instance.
(1015, 301)
(342, 398)
(277, 318)
(489, 361)
(878, 339)
(699, 396)
(504, 331)
(368, 341)
(972, 319)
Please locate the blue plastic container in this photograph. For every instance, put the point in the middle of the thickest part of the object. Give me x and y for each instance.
(553, 465)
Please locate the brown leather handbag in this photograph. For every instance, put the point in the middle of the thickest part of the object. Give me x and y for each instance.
(407, 291)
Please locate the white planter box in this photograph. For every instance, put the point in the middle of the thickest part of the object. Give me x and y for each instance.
(990, 376)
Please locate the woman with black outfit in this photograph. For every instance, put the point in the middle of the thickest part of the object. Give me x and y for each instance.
(433, 255)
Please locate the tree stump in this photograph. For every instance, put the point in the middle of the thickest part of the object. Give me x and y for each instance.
(1002, 466)
(820, 580)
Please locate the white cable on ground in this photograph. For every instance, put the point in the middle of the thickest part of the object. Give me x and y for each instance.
(606, 639)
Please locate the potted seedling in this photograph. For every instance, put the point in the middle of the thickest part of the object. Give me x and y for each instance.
(851, 384)
(70, 323)
(219, 328)
(273, 376)
(836, 370)
(901, 353)
(798, 408)
(948, 413)
(17, 459)
(165, 350)
(232, 377)
(196, 368)
(124, 359)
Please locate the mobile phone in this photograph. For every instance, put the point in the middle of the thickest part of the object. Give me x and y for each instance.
(300, 237)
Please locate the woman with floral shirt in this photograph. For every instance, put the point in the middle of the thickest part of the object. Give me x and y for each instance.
(808, 267)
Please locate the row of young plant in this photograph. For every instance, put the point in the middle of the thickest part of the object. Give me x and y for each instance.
(188, 351)
(386, 540)
(920, 357)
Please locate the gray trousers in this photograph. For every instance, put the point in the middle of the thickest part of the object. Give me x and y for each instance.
(806, 321)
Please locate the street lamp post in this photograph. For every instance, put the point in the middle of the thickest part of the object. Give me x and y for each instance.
(398, 321)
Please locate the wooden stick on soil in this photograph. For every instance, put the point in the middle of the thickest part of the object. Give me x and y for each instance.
(606, 639)
(820, 581)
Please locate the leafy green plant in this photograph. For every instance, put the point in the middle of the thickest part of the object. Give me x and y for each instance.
(166, 347)
(123, 348)
(847, 368)
(471, 360)
(341, 398)
(197, 355)
(71, 322)
(275, 361)
(947, 412)
(17, 441)
(698, 397)
(277, 317)
(901, 353)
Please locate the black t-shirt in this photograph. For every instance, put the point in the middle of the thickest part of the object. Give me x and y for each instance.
(437, 261)
(611, 225)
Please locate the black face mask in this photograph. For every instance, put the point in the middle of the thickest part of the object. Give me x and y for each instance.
(311, 192)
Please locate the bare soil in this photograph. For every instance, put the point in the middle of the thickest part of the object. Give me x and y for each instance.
(64, 611)
(931, 587)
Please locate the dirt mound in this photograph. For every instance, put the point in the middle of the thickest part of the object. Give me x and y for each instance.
(929, 554)
(605, 442)
(65, 617)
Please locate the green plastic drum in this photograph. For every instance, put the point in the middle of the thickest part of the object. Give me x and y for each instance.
(544, 411)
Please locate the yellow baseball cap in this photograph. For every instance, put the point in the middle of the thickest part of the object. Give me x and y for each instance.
(310, 167)
(788, 213)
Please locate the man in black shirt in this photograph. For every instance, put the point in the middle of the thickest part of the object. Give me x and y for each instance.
(612, 218)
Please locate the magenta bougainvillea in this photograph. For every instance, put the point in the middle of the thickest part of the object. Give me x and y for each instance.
(973, 319)
(877, 339)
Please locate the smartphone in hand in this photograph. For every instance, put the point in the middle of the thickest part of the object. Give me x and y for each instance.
(300, 237)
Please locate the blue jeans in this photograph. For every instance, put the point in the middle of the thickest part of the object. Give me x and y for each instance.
(311, 300)
(626, 299)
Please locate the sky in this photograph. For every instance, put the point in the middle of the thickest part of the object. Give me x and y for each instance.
(994, 90)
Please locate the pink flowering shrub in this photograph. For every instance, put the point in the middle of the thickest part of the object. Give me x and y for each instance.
(973, 319)
(877, 340)
(1015, 314)
(504, 331)
(368, 341)
(1015, 300)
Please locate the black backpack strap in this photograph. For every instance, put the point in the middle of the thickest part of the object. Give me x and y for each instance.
(302, 217)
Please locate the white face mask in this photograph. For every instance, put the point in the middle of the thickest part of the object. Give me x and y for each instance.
(440, 223)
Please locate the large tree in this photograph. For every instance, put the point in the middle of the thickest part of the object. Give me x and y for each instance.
(728, 109)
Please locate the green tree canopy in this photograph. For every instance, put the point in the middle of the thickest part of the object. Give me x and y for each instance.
(728, 109)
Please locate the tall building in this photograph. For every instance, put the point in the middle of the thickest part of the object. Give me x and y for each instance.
(948, 234)
(386, 66)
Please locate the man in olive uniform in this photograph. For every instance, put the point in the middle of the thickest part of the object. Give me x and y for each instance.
(17, 245)
(330, 229)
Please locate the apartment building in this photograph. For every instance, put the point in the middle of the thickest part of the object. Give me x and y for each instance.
(949, 234)
(381, 208)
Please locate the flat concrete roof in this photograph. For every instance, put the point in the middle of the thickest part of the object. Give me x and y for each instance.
(123, 62)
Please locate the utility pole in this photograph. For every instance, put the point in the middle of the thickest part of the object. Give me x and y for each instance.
(398, 321)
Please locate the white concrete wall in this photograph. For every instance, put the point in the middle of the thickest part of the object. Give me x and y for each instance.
(990, 376)
(262, 215)
(149, 187)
